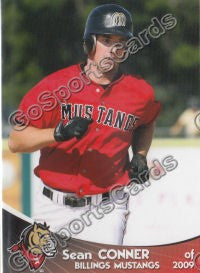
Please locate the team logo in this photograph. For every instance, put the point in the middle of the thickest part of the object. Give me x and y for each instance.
(118, 19)
(35, 245)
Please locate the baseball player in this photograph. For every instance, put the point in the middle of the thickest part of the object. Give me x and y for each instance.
(83, 119)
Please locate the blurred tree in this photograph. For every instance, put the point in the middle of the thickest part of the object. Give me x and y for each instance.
(39, 37)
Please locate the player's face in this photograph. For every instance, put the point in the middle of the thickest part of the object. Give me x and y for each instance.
(105, 47)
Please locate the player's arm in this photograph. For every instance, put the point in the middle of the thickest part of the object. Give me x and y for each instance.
(142, 139)
(141, 142)
(30, 139)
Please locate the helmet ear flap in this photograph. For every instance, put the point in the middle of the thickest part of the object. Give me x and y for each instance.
(89, 44)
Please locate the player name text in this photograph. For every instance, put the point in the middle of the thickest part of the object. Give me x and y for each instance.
(110, 254)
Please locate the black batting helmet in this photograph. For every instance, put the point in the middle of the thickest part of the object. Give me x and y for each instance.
(107, 19)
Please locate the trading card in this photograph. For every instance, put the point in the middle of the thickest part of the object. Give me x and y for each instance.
(101, 136)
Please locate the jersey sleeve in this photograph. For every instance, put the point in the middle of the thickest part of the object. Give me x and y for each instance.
(152, 108)
(31, 112)
(152, 111)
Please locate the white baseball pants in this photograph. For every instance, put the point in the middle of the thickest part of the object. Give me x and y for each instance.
(101, 221)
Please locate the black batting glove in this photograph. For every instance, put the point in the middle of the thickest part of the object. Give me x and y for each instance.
(138, 170)
(76, 127)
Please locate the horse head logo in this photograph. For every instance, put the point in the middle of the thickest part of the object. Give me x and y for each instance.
(36, 243)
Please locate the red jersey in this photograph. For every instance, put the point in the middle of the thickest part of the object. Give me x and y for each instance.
(97, 161)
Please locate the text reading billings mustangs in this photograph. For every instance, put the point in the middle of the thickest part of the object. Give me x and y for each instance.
(112, 258)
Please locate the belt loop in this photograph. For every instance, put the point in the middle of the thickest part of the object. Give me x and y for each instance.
(60, 198)
(54, 197)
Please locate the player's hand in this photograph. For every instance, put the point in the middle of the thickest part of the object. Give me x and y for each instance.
(76, 127)
(138, 169)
